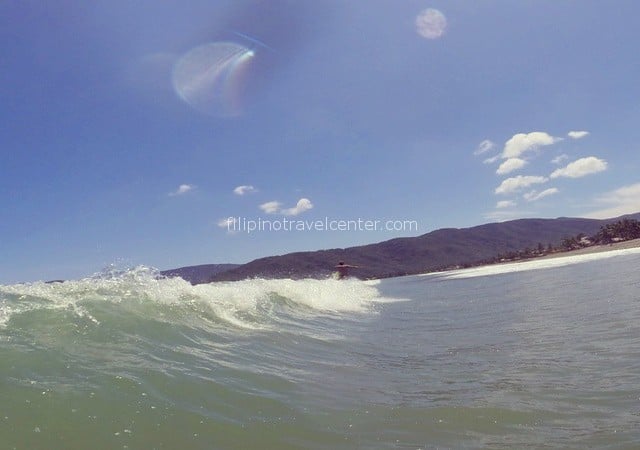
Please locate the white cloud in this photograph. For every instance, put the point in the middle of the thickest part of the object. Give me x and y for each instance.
(523, 142)
(244, 189)
(560, 159)
(625, 200)
(431, 23)
(502, 204)
(271, 207)
(227, 222)
(535, 195)
(581, 167)
(506, 214)
(484, 147)
(304, 204)
(491, 160)
(515, 184)
(577, 134)
(231, 224)
(510, 165)
(182, 189)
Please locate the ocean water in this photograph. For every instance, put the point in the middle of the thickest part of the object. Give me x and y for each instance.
(544, 354)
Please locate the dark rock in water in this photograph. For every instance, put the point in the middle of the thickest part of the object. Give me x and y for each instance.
(198, 274)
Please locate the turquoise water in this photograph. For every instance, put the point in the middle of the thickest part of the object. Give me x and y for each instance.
(539, 355)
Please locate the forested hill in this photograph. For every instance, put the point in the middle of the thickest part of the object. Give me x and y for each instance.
(436, 250)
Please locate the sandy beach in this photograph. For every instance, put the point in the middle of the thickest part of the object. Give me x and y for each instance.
(594, 249)
(544, 262)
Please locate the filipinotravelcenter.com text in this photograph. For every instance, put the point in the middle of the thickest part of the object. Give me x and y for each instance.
(246, 225)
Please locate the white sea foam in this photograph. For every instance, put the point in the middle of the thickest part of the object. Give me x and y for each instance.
(231, 302)
(534, 264)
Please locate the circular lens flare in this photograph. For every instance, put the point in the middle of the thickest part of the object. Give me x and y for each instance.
(431, 24)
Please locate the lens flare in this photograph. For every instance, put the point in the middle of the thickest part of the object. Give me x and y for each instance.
(209, 78)
(431, 24)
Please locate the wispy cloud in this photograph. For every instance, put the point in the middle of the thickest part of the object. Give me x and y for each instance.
(491, 160)
(522, 143)
(182, 189)
(501, 215)
(560, 159)
(229, 224)
(244, 189)
(534, 195)
(577, 134)
(510, 165)
(624, 200)
(503, 204)
(518, 183)
(272, 207)
(484, 147)
(581, 167)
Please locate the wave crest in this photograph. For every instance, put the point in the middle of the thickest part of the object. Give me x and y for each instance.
(143, 291)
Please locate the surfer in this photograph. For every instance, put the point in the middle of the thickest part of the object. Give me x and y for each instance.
(343, 269)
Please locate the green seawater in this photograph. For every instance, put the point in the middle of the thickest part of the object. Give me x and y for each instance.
(539, 356)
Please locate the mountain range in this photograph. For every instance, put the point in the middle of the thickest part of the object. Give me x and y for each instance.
(437, 250)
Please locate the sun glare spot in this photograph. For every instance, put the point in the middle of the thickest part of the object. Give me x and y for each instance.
(431, 23)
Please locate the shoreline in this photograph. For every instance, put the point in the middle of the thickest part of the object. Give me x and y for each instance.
(623, 245)
(594, 249)
(552, 260)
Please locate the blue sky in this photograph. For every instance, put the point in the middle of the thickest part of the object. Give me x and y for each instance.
(129, 128)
